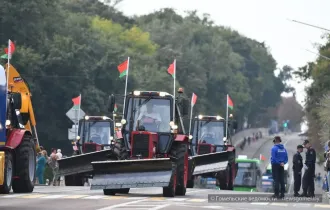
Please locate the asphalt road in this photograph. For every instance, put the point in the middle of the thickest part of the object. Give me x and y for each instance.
(82, 198)
(54, 198)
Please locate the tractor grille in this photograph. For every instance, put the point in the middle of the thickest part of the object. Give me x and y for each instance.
(141, 145)
(89, 148)
(204, 149)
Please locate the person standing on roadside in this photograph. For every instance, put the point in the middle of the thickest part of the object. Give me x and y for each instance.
(327, 165)
(297, 167)
(54, 165)
(279, 157)
(308, 178)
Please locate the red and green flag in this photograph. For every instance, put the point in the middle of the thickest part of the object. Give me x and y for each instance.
(230, 103)
(171, 70)
(9, 50)
(193, 99)
(115, 108)
(76, 102)
(123, 68)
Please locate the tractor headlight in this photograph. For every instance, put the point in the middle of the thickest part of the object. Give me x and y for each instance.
(86, 117)
(224, 139)
(171, 123)
(174, 127)
(8, 122)
(200, 117)
(78, 138)
(218, 117)
(104, 118)
(123, 121)
(162, 94)
(190, 137)
(111, 138)
(118, 124)
(136, 93)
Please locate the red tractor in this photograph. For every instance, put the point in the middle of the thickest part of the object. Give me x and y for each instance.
(212, 152)
(152, 147)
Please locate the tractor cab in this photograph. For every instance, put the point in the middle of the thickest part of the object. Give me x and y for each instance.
(208, 134)
(148, 125)
(95, 133)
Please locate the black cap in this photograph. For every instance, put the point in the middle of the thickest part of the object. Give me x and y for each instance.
(305, 142)
(300, 147)
(277, 139)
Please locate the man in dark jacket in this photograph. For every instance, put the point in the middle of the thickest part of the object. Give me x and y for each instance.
(297, 166)
(308, 178)
(279, 157)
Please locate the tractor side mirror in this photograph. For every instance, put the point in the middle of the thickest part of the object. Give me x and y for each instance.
(111, 103)
(17, 100)
(185, 107)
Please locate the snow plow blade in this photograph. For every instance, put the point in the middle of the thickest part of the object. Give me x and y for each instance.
(212, 162)
(78, 164)
(131, 173)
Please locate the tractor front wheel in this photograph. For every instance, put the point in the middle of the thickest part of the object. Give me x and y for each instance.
(182, 166)
(8, 173)
(25, 168)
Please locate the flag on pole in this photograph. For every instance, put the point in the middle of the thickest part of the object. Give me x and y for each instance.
(123, 68)
(171, 70)
(115, 110)
(263, 158)
(76, 102)
(230, 103)
(193, 99)
(9, 51)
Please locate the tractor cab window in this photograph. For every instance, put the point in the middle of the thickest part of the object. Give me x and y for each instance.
(96, 132)
(246, 175)
(149, 114)
(210, 132)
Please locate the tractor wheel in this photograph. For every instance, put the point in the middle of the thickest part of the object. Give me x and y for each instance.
(225, 182)
(230, 184)
(191, 182)
(170, 190)
(8, 175)
(124, 191)
(110, 191)
(181, 169)
(25, 167)
(120, 150)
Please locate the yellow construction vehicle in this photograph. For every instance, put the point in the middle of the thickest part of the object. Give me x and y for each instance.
(18, 134)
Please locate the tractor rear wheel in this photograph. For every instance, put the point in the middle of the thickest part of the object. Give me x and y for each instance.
(120, 150)
(225, 180)
(25, 168)
(8, 175)
(181, 169)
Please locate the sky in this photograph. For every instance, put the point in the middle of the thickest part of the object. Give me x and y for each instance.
(264, 21)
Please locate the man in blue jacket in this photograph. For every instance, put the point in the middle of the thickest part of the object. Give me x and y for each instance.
(279, 158)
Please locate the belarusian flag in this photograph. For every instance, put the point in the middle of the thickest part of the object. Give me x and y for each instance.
(193, 99)
(76, 102)
(9, 51)
(115, 108)
(230, 103)
(171, 70)
(122, 68)
(263, 158)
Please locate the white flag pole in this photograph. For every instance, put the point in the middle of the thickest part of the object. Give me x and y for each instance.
(174, 65)
(227, 118)
(8, 64)
(191, 111)
(126, 86)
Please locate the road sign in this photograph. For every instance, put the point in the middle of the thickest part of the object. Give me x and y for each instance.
(73, 113)
(72, 132)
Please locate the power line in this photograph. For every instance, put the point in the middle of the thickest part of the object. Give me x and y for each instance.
(307, 24)
(325, 57)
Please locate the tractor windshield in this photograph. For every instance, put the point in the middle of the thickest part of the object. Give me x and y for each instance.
(210, 132)
(149, 114)
(96, 132)
(246, 175)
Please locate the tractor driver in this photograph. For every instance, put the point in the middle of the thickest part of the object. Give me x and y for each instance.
(149, 117)
(95, 135)
(207, 136)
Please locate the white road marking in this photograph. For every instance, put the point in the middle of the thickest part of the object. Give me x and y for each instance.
(135, 205)
(95, 197)
(121, 204)
(55, 196)
(176, 199)
(194, 191)
(259, 203)
(13, 196)
(302, 205)
(135, 198)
